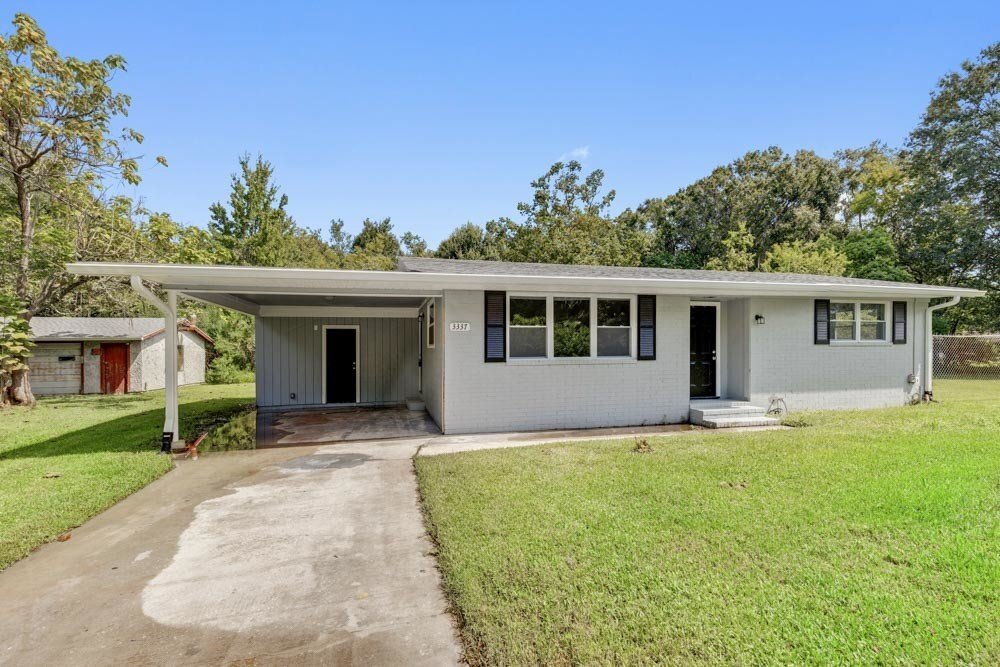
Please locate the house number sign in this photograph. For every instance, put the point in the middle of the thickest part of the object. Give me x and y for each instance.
(460, 326)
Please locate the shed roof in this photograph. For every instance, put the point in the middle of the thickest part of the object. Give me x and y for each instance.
(44, 329)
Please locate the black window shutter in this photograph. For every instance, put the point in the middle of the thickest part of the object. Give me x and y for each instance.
(899, 322)
(496, 326)
(647, 327)
(822, 320)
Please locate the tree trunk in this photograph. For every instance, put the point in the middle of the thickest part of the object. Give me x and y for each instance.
(19, 391)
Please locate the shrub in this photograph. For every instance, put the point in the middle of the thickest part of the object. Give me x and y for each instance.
(222, 370)
(238, 433)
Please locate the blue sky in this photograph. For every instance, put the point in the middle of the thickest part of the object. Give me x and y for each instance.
(438, 114)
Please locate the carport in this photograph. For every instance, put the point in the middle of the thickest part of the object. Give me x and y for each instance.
(345, 348)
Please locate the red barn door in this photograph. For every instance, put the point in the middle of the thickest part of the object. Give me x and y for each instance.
(114, 368)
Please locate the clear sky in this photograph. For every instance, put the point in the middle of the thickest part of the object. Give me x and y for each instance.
(437, 114)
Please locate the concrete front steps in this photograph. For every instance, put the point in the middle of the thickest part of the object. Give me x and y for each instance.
(716, 413)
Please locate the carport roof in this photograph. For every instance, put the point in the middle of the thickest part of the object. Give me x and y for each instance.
(259, 290)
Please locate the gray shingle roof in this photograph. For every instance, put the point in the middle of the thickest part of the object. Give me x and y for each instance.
(480, 267)
(94, 328)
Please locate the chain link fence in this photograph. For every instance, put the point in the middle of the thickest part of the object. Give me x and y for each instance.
(973, 356)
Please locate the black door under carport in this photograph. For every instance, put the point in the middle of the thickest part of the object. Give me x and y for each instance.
(341, 365)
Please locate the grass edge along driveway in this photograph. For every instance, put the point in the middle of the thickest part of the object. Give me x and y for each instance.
(69, 458)
(866, 537)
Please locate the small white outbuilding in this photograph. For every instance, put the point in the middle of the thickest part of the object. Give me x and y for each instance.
(110, 355)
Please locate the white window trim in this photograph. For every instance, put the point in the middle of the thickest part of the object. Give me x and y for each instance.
(857, 340)
(431, 314)
(550, 357)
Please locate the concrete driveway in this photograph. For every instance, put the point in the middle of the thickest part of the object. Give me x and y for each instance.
(301, 555)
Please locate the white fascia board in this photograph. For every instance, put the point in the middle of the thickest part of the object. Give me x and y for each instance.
(336, 311)
(249, 279)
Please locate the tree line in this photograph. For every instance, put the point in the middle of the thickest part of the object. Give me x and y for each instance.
(927, 211)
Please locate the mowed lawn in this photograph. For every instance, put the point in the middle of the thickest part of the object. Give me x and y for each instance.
(865, 537)
(69, 458)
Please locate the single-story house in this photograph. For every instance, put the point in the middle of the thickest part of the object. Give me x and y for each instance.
(110, 355)
(495, 346)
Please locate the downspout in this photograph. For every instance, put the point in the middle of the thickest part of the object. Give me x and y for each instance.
(169, 309)
(929, 345)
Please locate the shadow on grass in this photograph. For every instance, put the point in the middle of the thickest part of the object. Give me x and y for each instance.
(134, 433)
(116, 402)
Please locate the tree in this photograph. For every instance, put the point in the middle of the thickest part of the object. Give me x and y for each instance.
(56, 150)
(414, 245)
(951, 230)
(255, 229)
(872, 254)
(465, 242)
(565, 222)
(375, 247)
(808, 257)
(737, 253)
(15, 344)
(780, 198)
(875, 184)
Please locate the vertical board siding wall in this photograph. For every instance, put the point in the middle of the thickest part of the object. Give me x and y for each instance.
(290, 359)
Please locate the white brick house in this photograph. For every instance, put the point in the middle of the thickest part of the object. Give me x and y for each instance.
(494, 346)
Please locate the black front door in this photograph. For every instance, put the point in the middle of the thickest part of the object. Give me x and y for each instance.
(703, 352)
(341, 365)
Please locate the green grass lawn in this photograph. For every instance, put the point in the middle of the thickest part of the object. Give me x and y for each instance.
(866, 537)
(101, 447)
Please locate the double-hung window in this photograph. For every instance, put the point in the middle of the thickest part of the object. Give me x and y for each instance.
(570, 327)
(858, 321)
(614, 327)
(527, 326)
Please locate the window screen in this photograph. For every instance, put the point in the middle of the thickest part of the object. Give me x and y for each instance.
(527, 327)
(614, 327)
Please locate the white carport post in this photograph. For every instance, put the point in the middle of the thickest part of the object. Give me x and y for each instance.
(171, 421)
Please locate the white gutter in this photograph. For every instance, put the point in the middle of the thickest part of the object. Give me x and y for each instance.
(929, 345)
(171, 421)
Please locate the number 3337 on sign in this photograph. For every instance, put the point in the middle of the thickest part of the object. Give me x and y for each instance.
(460, 326)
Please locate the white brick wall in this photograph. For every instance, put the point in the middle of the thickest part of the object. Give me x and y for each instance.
(529, 395)
(786, 363)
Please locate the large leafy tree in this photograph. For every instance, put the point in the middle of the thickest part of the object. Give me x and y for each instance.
(566, 222)
(57, 149)
(779, 197)
(952, 214)
(465, 242)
